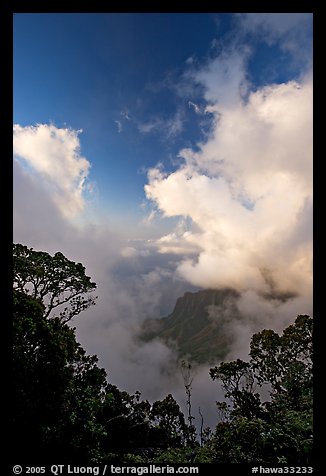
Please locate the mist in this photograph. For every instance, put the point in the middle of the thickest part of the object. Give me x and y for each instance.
(245, 192)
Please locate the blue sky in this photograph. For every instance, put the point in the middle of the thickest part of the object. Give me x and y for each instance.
(92, 71)
(167, 153)
(122, 79)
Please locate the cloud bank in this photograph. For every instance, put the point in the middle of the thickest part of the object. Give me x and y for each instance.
(244, 201)
(54, 155)
(248, 189)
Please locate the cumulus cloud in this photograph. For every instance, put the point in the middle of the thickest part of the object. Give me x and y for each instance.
(224, 78)
(134, 282)
(242, 200)
(54, 154)
(248, 189)
(176, 243)
(130, 252)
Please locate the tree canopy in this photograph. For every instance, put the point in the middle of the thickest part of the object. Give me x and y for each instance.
(64, 406)
(60, 284)
(278, 429)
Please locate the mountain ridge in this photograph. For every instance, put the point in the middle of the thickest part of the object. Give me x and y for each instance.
(199, 325)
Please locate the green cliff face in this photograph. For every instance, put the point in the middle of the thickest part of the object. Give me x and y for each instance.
(199, 326)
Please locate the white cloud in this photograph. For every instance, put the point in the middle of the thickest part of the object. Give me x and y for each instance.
(146, 127)
(125, 115)
(224, 78)
(119, 126)
(291, 31)
(168, 128)
(177, 243)
(195, 107)
(131, 252)
(149, 218)
(259, 313)
(174, 126)
(275, 25)
(54, 155)
(190, 60)
(248, 188)
(134, 283)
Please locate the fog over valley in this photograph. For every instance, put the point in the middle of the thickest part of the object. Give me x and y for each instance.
(199, 178)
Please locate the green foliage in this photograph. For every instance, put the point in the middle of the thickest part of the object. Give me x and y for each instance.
(135, 426)
(168, 423)
(125, 419)
(54, 280)
(174, 455)
(279, 429)
(57, 389)
(186, 454)
(64, 408)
